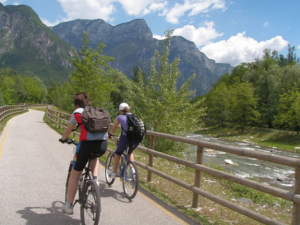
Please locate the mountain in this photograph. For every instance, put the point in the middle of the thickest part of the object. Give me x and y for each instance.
(132, 44)
(30, 47)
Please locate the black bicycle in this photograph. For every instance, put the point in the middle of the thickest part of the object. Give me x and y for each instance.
(128, 173)
(88, 193)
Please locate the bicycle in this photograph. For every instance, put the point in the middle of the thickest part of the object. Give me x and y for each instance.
(88, 193)
(128, 173)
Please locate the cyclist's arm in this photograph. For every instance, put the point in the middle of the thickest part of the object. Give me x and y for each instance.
(68, 131)
(115, 126)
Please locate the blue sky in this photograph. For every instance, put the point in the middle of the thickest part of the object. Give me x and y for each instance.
(227, 31)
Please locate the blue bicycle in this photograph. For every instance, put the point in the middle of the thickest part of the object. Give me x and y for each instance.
(128, 173)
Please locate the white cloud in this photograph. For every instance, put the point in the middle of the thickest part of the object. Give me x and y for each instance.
(104, 9)
(200, 36)
(136, 7)
(88, 9)
(298, 46)
(51, 24)
(155, 7)
(194, 8)
(240, 48)
(159, 37)
(266, 24)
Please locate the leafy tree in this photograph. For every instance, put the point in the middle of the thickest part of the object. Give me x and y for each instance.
(163, 107)
(138, 72)
(121, 93)
(91, 72)
(288, 116)
(218, 105)
(61, 95)
(243, 104)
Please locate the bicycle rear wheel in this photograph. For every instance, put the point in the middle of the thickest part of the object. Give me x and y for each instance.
(108, 168)
(67, 182)
(130, 180)
(90, 209)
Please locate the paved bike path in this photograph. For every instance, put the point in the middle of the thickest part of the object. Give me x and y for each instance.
(33, 168)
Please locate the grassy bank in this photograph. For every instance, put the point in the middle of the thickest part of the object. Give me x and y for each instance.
(285, 140)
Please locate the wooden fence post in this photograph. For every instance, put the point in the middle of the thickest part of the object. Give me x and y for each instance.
(152, 145)
(296, 207)
(199, 160)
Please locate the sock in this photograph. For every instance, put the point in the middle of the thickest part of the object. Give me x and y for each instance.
(95, 178)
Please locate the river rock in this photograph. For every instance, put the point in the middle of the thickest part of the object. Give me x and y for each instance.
(245, 200)
(281, 178)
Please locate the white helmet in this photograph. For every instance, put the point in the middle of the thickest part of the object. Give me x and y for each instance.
(123, 106)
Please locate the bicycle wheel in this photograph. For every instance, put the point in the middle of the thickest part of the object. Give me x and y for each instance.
(67, 182)
(108, 168)
(91, 204)
(130, 180)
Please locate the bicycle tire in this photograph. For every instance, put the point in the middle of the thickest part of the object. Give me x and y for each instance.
(67, 181)
(108, 167)
(90, 209)
(130, 181)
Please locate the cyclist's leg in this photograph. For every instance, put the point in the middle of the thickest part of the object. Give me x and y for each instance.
(116, 162)
(94, 167)
(100, 148)
(72, 185)
(79, 162)
(123, 141)
(130, 151)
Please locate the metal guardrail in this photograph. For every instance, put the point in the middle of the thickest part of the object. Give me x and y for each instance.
(61, 120)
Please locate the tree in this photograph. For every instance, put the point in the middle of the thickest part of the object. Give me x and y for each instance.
(243, 104)
(136, 72)
(91, 72)
(164, 107)
(218, 105)
(288, 116)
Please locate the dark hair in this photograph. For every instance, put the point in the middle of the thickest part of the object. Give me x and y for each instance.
(81, 99)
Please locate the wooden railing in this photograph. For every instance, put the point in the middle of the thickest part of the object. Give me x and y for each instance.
(61, 120)
(8, 110)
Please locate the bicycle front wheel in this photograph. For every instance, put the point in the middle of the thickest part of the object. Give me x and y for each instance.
(108, 168)
(91, 204)
(130, 180)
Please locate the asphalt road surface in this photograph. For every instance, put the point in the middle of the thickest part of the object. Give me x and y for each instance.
(33, 170)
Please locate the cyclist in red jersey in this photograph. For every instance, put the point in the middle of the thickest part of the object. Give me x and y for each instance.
(88, 142)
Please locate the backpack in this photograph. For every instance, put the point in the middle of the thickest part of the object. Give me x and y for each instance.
(136, 128)
(95, 119)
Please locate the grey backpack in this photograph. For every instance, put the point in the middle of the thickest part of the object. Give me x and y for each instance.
(95, 119)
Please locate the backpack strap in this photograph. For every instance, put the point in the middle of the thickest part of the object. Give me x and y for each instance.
(122, 126)
(78, 124)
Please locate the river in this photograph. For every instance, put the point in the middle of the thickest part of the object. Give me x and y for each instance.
(274, 174)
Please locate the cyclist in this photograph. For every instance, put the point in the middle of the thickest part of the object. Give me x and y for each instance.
(88, 142)
(123, 141)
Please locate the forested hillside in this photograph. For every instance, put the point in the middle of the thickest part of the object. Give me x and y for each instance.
(264, 93)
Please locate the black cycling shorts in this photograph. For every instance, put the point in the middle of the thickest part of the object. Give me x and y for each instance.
(84, 148)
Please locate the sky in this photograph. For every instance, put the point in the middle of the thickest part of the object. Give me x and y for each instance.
(227, 31)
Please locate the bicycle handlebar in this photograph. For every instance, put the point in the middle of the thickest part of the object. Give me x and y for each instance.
(68, 141)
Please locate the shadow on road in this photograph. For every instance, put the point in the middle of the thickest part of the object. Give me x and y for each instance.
(47, 216)
(107, 191)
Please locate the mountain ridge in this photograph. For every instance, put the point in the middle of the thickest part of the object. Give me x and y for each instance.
(31, 48)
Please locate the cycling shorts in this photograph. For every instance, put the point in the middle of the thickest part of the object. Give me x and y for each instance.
(123, 143)
(84, 148)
